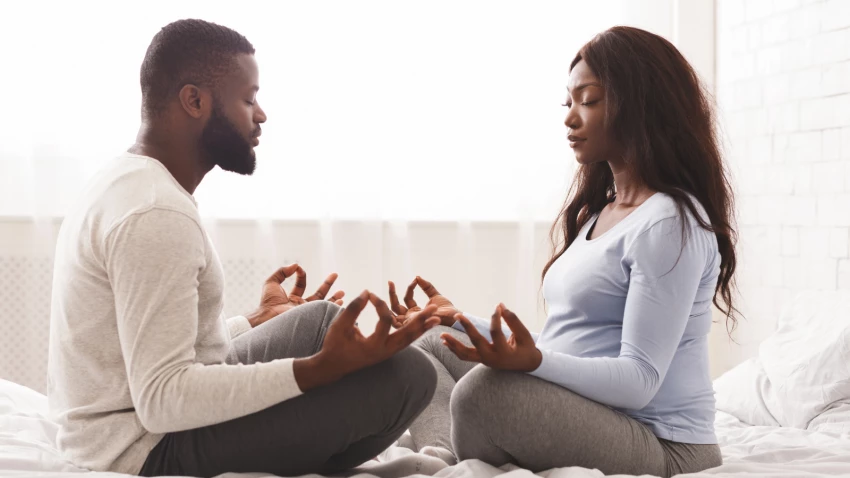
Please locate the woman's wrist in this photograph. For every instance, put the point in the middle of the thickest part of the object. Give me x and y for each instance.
(449, 320)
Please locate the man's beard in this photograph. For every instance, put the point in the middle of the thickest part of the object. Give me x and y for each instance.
(225, 147)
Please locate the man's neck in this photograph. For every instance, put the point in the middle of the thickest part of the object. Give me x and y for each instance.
(183, 160)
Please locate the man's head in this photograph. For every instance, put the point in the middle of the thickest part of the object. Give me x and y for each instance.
(201, 80)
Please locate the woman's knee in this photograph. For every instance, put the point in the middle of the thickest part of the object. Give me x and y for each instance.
(430, 340)
(477, 404)
(465, 400)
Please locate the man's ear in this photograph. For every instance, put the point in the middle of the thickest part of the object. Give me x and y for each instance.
(194, 100)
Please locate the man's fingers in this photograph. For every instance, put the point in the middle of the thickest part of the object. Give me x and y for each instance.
(339, 302)
(386, 319)
(408, 296)
(324, 288)
(427, 287)
(283, 273)
(414, 328)
(520, 332)
(348, 317)
(300, 283)
(460, 349)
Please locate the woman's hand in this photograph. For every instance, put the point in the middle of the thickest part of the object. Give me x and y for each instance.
(275, 301)
(518, 353)
(445, 310)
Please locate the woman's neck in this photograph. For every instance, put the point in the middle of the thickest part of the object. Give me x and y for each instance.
(630, 190)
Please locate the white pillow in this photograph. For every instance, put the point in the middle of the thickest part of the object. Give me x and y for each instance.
(802, 369)
(27, 438)
(807, 359)
(835, 420)
(740, 393)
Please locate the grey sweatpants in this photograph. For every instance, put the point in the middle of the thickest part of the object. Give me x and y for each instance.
(326, 430)
(510, 417)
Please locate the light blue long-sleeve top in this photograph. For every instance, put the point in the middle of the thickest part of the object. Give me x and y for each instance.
(629, 317)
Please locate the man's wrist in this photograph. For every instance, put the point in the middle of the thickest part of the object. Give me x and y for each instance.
(315, 371)
(259, 316)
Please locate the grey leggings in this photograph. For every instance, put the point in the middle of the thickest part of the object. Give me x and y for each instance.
(509, 417)
(326, 430)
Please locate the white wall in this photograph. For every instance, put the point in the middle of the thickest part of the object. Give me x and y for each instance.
(783, 82)
(424, 93)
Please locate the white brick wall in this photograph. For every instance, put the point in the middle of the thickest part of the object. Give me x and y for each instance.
(783, 87)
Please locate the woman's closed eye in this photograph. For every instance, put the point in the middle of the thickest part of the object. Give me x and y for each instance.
(569, 104)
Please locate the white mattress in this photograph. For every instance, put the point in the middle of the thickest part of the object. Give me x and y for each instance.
(27, 449)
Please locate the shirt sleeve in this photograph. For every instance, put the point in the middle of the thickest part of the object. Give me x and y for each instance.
(153, 260)
(663, 282)
(237, 326)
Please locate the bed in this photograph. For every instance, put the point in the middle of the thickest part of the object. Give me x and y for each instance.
(784, 413)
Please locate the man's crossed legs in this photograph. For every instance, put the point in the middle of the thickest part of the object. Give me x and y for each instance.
(327, 430)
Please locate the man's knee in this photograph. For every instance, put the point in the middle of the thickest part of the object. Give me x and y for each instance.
(318, 314)
(323, 310)
(414, 375)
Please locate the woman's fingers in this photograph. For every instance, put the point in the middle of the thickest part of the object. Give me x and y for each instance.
(520, 332)
(460, 349)
(478, 340)
(499, 340)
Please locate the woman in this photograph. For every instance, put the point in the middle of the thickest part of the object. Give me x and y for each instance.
(618, 379)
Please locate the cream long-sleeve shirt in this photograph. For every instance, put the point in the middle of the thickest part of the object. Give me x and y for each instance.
(137, 337)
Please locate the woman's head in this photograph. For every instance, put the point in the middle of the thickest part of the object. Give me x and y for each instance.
(635, 101)
(587, 130)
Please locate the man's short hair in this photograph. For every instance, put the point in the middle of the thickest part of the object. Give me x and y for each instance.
(187, 52)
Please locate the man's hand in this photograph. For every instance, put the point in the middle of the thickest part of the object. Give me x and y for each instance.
(346, 350)
(275, 300)
(445, 310)
(517, 353)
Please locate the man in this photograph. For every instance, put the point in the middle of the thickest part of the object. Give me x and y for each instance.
(145, 376)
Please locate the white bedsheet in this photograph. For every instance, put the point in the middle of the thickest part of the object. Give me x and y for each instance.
(27, 449)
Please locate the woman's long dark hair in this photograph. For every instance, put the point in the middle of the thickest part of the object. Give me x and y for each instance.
(663, 118)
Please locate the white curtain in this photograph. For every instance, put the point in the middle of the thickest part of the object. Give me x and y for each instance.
(428, 110)
(404, 137)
